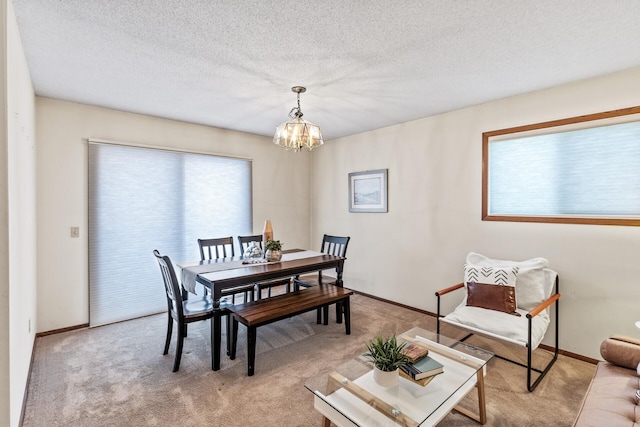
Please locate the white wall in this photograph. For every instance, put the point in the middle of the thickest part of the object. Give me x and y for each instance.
(434, 216)
(280, 191)
(21, 209)
(5, 328)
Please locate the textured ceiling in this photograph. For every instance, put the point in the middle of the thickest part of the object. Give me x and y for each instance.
(366, 63)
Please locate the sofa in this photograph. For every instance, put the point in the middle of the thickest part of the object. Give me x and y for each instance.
(611, 399)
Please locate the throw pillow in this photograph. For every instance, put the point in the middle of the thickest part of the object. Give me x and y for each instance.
(491, 288)
(621, 351)
(530, 285)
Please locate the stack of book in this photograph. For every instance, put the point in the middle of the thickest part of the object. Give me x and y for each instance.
(422, 368)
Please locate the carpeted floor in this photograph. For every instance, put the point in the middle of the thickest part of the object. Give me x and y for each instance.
(116, 375)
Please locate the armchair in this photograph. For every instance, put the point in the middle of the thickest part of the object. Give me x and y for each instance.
(525, 323)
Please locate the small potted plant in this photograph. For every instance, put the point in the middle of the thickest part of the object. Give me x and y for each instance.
(387, 357)
(273, 250)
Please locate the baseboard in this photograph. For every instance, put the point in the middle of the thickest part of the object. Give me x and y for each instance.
(428, 313)
(59, 331)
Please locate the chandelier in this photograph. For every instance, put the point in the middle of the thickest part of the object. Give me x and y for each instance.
(297, 133)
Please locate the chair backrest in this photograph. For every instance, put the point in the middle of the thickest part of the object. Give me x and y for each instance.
(245, 240)
(335, 245)
(216, 248)
(171, 285)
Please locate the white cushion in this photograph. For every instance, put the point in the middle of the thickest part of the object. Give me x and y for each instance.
(530, 283)
(497, 324)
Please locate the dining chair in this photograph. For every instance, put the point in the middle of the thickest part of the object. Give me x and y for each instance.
(183, 311)
(244, 242)
(331, 245)
(218, 248)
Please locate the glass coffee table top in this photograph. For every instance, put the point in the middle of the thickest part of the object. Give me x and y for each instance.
(349, 396)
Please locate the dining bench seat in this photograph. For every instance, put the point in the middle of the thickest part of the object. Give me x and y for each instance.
(257, 313)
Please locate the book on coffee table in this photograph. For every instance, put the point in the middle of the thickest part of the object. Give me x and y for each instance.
(423, 382)
(423, 368)
(415, 352)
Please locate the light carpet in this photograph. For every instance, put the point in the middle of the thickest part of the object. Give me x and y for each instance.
(116, 375)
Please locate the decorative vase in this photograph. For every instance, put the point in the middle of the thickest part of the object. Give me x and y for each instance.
(272, 255)
(253, 252)
(267, 233)
(385, 378)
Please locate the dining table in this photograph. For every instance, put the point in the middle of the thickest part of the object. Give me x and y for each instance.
(225, 273)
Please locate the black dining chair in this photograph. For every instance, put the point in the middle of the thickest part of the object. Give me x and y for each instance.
(331, 245)
(218, 248)
(183, 311)
(244, 242)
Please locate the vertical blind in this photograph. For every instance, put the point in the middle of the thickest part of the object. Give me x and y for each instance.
(143, 199)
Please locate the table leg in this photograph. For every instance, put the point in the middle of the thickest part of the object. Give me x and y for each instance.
(482, 407)
(326, 422)
(216, 338)
(481, 416)
(340, 284)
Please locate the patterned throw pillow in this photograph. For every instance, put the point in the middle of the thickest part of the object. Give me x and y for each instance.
(492, 288)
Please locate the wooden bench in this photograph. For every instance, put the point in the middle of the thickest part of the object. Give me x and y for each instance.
(262, 312)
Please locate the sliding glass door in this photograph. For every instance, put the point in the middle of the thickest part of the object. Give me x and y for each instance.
(143, 199)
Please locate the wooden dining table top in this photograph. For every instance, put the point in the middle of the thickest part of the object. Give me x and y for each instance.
(250, 273)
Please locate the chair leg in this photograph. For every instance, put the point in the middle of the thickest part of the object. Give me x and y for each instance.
(169, 332)
(251, 349)
(181, 331)
(544, 371)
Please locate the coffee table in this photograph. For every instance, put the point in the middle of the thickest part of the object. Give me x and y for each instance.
(348, 395)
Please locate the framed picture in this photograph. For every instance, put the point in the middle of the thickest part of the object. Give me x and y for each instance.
(368, 191)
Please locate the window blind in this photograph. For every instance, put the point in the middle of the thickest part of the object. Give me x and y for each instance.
(143, 199)
(580, 173)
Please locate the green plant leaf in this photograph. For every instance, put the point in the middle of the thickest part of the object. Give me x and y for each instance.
(386, 353)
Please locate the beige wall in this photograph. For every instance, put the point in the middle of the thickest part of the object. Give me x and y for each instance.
(19, 203)
(280, 191)
(5, 330)
(434, 165)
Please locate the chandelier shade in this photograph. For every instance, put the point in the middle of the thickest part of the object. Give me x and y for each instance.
(297, 133)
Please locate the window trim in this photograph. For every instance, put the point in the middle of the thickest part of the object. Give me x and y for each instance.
(572, 121)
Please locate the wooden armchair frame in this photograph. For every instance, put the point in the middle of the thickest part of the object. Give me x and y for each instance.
(553, 299)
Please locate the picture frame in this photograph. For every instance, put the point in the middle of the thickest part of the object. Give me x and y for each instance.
(368, 191)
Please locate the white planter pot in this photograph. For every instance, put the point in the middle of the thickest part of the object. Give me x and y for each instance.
(385, 378)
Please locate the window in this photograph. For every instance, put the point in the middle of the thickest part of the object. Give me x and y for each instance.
(143, 199)
(580, 170)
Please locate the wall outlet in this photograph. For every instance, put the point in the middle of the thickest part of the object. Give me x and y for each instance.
(75, 231)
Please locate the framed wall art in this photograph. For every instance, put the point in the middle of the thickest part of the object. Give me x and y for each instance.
(368, 191)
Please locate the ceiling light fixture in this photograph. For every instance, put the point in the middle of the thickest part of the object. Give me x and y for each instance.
(297, 133)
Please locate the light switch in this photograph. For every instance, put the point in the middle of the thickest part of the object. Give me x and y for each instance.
(75, 231)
